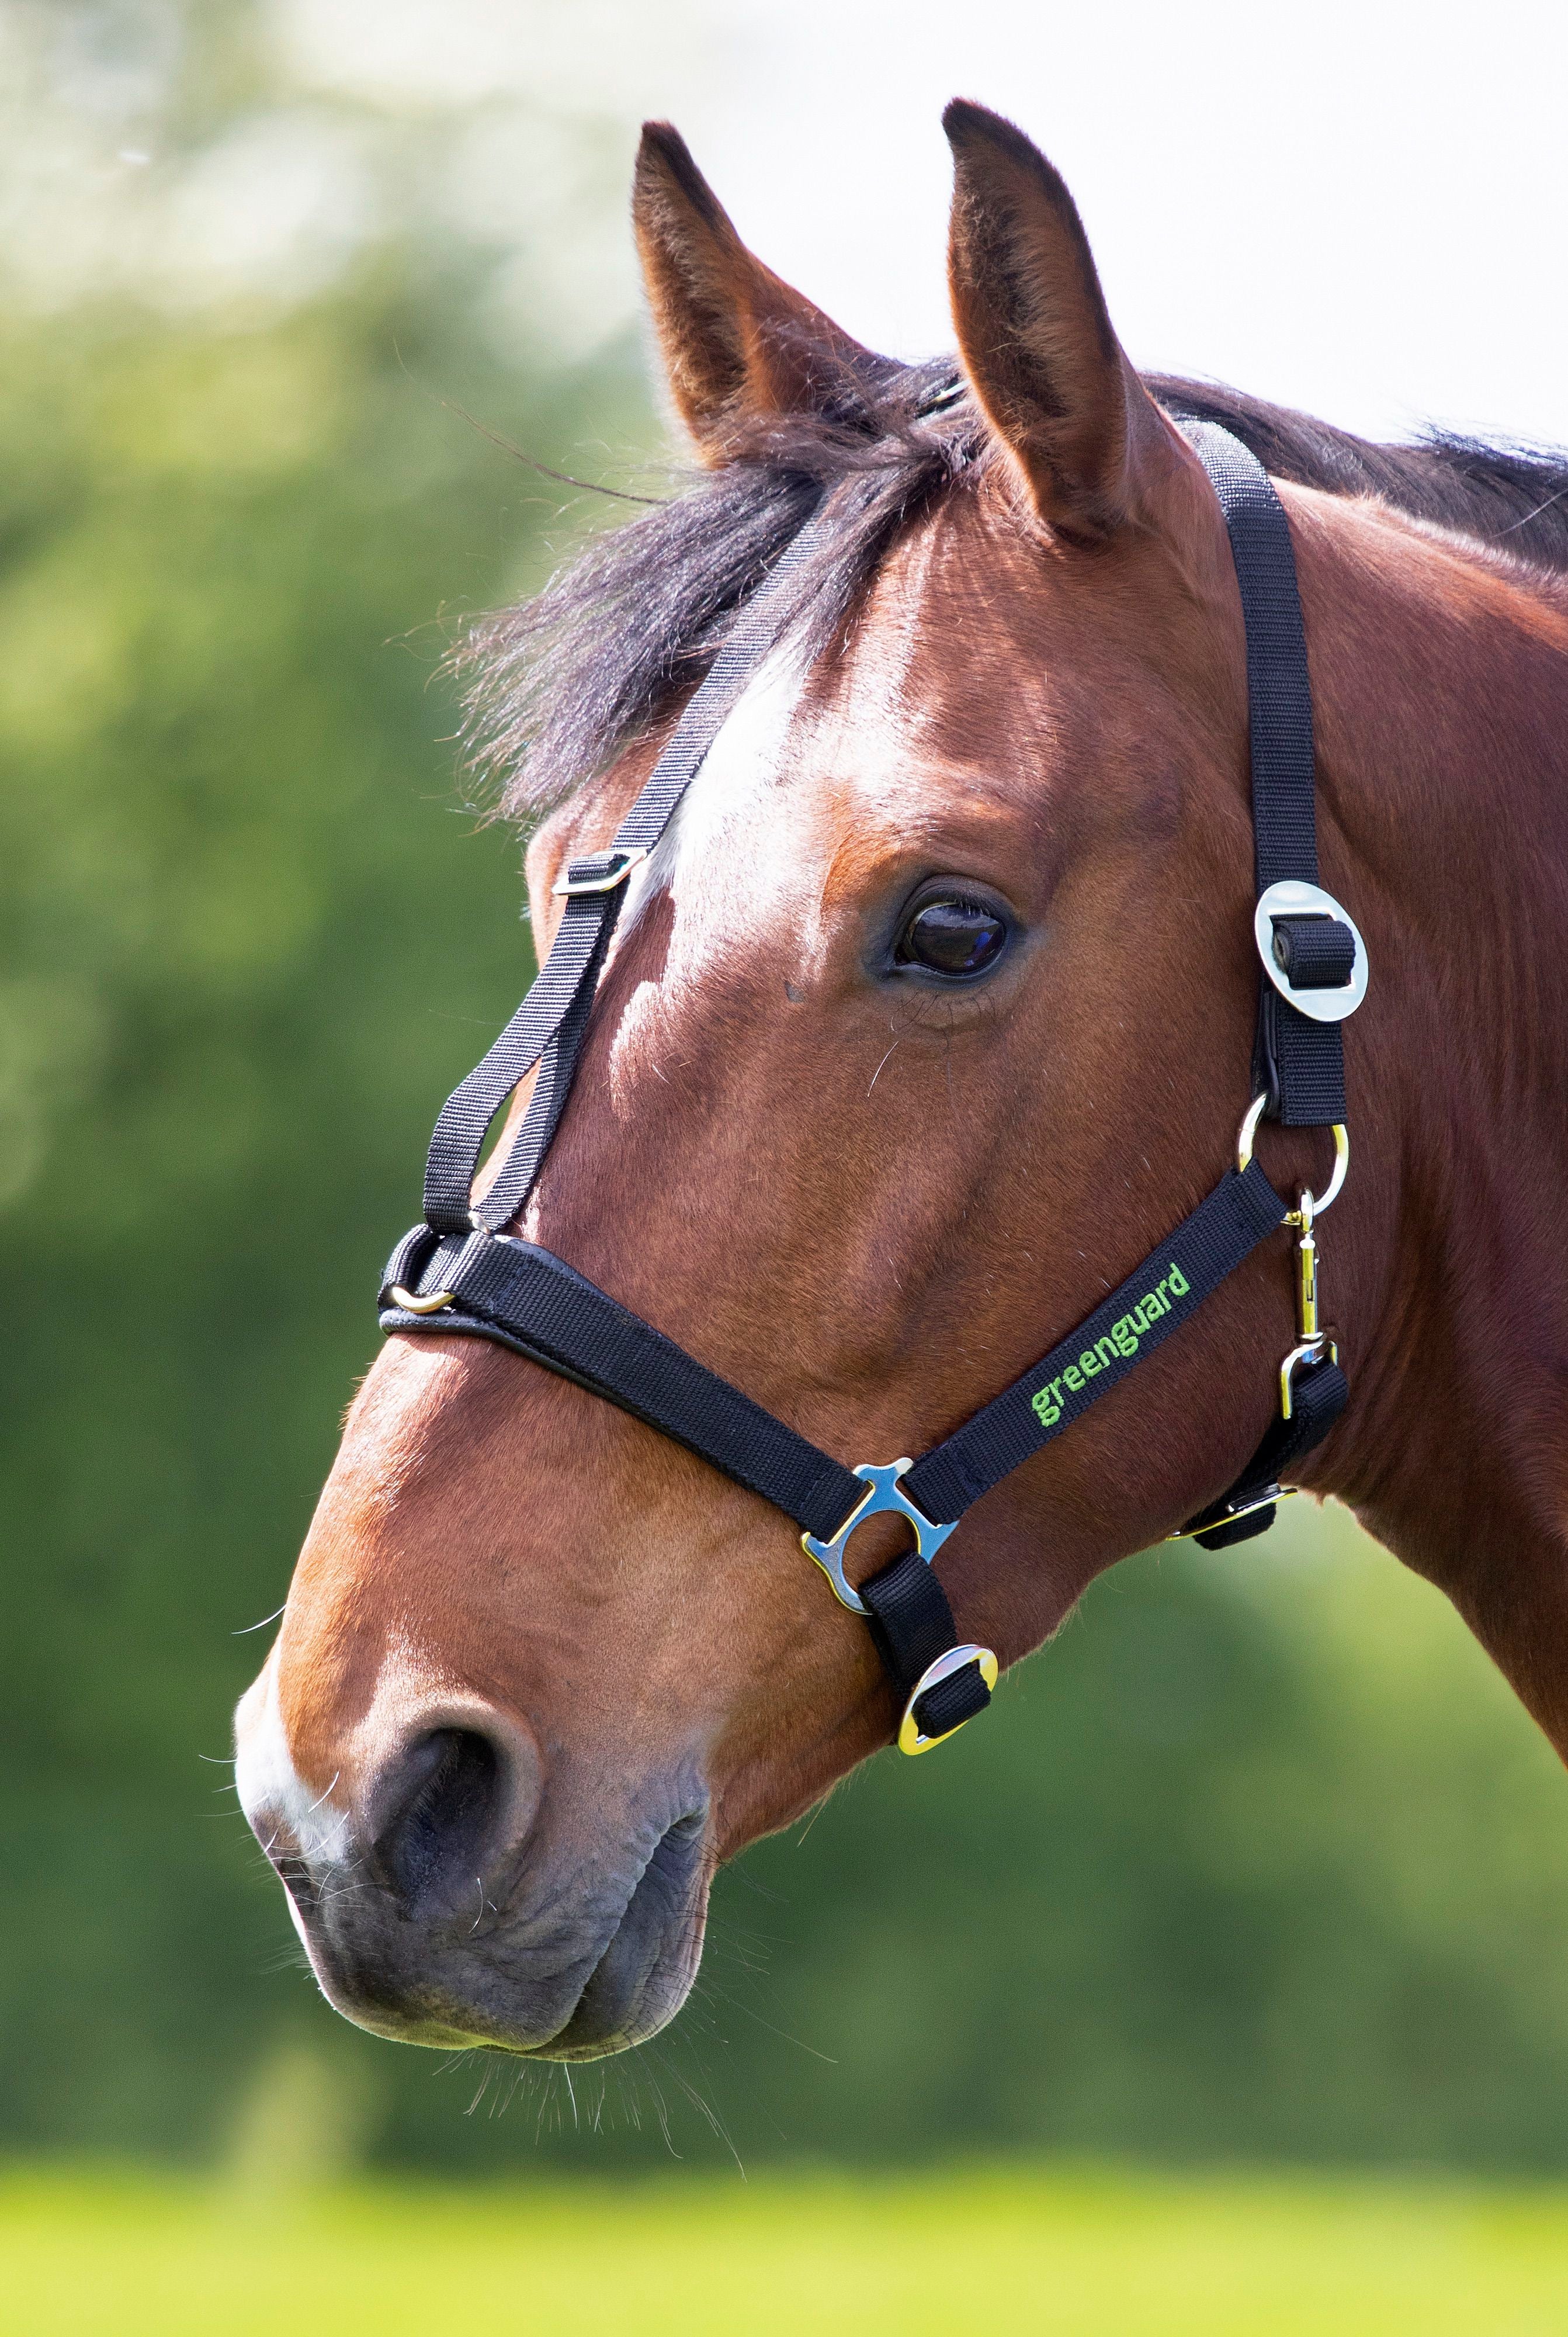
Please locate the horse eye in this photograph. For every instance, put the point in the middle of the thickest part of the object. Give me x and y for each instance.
(953, 938)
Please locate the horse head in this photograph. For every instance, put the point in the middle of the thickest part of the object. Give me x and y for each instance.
(933, 1008)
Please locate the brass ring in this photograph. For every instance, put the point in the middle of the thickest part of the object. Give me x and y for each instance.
(1248, 1132)
(410, 1305)
(1341, 1163)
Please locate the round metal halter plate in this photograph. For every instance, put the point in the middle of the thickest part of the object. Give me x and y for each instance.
(910, 1740)
(1292, 899)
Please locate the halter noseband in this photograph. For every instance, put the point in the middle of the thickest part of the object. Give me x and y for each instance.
(458, 1272)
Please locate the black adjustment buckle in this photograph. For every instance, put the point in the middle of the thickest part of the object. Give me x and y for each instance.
(600, 872)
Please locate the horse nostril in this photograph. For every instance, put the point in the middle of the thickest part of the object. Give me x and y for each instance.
(440, 1819)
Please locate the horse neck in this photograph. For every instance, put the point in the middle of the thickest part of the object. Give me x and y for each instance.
(1442, 687)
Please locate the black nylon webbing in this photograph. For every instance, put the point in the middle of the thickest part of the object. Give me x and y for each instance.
(564, 980)
(911, 1621)
(553, 1017)
(532, 1301)
(912, 1625)
(525, 1298)
(1241, 1211)
(1301, 1062)
(1278, 696)
(1316, 952)
(515, 1179)
(1319, 1393)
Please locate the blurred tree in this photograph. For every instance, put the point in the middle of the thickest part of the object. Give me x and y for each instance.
(234, 990)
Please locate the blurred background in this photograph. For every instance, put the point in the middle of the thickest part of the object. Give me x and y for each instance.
(1260, 1862)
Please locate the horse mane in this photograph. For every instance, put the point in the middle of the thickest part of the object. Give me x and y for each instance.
(559, 685)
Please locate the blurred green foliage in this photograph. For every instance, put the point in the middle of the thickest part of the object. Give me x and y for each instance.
(1259, 1858)
(249, 939)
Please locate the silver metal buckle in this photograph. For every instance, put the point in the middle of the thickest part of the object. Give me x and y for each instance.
(1292, 899)
(909, 1738)
(885, 1496)
(1264, 1502)
(575, 887)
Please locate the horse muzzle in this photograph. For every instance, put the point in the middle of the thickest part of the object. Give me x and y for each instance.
(448, 1894)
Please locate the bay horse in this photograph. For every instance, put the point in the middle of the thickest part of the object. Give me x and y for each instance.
(541, 1668)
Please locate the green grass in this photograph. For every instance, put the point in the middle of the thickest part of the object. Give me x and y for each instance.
(1015, 2252)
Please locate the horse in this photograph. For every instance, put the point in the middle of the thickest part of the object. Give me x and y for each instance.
(931, 1010)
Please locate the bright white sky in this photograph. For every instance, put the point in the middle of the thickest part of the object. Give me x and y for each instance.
(1361, 210)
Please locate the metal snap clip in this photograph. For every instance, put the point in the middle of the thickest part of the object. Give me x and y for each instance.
(1312, 1342)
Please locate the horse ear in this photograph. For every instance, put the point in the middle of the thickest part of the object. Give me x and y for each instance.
(739, 344)
(1035, 335)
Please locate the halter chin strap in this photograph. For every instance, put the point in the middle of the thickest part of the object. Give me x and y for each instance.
(458, 1273)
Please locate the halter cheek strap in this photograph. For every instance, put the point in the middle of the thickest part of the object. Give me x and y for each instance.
(548, 1028)
(457, 1274)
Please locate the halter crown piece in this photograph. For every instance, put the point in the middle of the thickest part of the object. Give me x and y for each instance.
(456, 1272)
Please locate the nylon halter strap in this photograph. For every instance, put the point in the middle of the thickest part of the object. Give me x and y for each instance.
(457, 1272)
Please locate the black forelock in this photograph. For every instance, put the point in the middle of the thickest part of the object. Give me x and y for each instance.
(557, 686)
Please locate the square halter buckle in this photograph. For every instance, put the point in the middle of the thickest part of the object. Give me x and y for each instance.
(594, 875)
